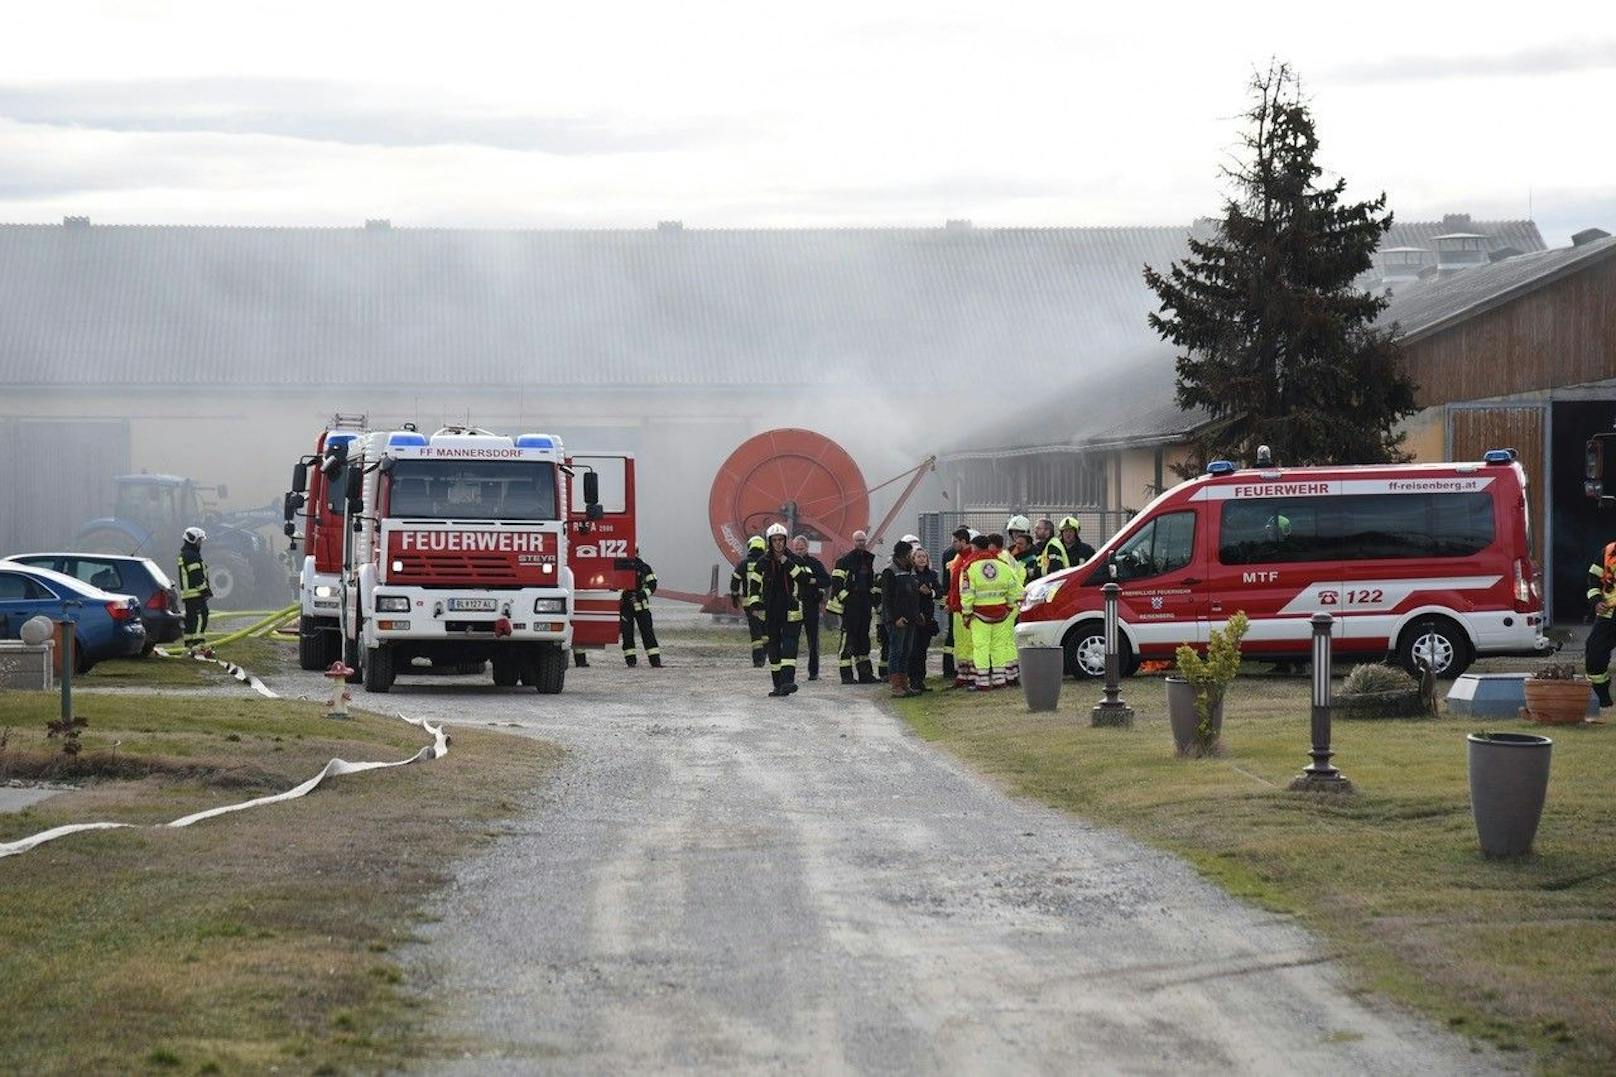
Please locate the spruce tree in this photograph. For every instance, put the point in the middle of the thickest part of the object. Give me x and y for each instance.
(1279, 344)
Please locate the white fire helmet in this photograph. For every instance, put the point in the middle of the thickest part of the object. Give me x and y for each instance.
(1018, 523)
(913, 540)
(776, 529)
(195, 536)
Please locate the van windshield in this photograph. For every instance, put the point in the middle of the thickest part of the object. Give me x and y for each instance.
(472, 490)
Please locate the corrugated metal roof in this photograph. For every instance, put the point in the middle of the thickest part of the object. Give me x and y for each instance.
(1431, 306)
(274, 307)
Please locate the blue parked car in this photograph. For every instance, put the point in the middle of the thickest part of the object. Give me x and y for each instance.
(108, 624)
(120, 574)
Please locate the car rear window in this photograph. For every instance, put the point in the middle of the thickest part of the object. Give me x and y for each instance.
(107, 575)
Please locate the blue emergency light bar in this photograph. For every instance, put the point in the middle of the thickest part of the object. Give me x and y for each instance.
(1221, 467)
(406, 439)
(1499, 456)
(333, 440)
(535, 441)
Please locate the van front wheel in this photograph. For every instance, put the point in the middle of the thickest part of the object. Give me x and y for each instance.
(1085, 652)
(1438, 642)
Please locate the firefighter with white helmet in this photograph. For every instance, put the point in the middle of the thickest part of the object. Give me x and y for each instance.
(1022, 550)
(195, 591)
(855, 595)
(773, 587)
(737, 585)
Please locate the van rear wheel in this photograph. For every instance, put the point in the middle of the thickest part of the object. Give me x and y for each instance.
(1085, 652)
(1439, 642)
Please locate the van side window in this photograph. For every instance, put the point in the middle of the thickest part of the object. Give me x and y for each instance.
(1166, 544)
(1355, 527)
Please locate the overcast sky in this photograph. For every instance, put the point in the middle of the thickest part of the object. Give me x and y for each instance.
(758, 114)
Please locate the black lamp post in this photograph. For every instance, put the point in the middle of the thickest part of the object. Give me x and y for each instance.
(1320, 776)
(1111, 710)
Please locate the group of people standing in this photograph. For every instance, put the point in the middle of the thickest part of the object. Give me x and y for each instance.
(986, 581)
(782, 588)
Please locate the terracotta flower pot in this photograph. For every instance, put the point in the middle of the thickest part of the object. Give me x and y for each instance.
(1556, 702)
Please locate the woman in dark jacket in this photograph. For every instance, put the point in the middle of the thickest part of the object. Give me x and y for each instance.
(930, 587)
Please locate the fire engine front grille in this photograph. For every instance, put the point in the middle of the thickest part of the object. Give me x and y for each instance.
(447, 568)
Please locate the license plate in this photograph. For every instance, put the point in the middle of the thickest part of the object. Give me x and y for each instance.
(473, 605)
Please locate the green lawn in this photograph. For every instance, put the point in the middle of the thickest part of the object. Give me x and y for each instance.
(1520, 953)
(256, 942)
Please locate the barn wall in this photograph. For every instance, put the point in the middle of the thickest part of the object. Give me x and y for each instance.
(249, 439)
(1561, 334)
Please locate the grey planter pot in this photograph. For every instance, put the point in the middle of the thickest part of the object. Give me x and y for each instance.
(1509, 778)
(1185, 722)
(1042, 670)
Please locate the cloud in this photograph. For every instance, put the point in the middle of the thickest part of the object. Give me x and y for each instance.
(1522, 63)
(333, 111)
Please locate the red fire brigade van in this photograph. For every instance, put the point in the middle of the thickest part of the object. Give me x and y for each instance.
(1421, 561)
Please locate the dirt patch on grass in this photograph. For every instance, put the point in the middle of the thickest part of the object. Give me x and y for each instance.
(110, 766)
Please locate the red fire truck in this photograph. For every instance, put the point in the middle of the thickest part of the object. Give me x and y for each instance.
(470, 546)
(317, 503)
(1426, 562)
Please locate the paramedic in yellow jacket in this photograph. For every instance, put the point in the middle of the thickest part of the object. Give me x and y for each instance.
(997, 547)
(988, 596)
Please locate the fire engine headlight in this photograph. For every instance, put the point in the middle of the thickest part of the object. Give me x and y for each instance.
(549, 605)
(325, 590)
(392, 604)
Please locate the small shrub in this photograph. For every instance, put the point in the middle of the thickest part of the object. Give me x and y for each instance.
(1371, 679)
(1212, 674)
(68, 729)
(1558, 671)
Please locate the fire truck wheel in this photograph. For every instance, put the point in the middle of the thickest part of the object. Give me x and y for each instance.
(1438, 641)
(507, 670)
(552, 669)
(379, 669)
(1085, 652)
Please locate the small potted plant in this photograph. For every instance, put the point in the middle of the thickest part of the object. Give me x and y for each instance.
(1195, 696)
(1557, 695)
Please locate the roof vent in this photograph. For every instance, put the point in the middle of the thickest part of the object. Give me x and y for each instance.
(75, 222)
(1588, 235)
(958, 224)
(1502, 253)
(670, 226)
(378, 224)
(1456, 222)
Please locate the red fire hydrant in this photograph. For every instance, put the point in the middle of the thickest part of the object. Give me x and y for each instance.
(339, 674)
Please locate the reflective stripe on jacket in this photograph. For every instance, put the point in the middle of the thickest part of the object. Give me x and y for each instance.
(193, 573)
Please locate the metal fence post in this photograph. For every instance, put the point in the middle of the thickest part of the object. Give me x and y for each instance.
(69, 645)
(1111, 710)
(1321, 776)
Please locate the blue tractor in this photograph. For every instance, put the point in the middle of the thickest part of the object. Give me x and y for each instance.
(152, 511)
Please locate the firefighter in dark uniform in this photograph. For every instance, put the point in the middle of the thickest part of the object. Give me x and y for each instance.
(1602, 637)
(634, 607)
(195, 591)
(774, 596)
(737, 586)
(815, 588)
(855, 595)
(962, 542)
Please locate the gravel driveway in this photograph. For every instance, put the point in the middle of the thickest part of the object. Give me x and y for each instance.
(723, 881)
